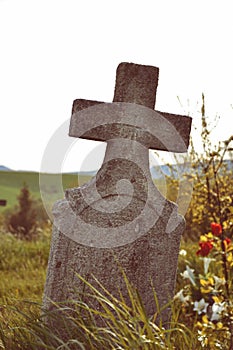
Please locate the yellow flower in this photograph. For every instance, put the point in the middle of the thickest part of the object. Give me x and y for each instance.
(207, 285)
(206, 290)
(199, 325)
(230, 258)
(205, 319)
(217, 300)
(219, 325)
(209, 235)
(209, 281)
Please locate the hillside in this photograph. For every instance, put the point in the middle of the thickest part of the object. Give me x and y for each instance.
(4, 168)
(12, 181)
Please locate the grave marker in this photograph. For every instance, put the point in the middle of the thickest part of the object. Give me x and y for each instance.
(120, 213)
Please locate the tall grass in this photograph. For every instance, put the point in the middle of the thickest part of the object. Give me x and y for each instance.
(114, 325)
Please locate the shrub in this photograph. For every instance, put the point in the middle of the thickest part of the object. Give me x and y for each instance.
(22, 222)
(211, 172)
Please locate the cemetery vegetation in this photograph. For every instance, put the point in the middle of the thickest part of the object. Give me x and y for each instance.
(201, 310)
(23, 221)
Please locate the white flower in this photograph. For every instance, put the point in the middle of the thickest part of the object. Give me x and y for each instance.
(181, 297)
(218, 282)
(217, 309)
(183, 252)
(189, 273)
(202, 338)
(207, 262)
(200, 306)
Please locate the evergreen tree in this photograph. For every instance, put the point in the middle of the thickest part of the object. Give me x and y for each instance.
(23, 221)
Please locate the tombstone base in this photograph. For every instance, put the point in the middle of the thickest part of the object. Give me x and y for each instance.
(149, 260)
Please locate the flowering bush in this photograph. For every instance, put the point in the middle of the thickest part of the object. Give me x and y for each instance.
(212, 196)
(206, 289)
(204, 286)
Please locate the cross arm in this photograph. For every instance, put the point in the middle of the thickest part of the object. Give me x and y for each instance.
(181, 124)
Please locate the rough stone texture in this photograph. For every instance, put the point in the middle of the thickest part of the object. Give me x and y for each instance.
(153, 129)
(136, 83)
(145, 236)
(150, 259)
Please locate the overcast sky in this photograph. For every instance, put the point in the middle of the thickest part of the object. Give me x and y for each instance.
(54, 51)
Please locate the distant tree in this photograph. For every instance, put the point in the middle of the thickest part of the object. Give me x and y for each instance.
(23, 221)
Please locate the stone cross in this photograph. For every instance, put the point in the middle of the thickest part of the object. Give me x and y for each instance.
(120, 215)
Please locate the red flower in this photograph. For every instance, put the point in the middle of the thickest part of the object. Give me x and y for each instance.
(205, 248)
(216, 229)
(227, 240)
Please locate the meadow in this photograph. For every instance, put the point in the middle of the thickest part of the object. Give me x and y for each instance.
(22, 276)
(12, 181)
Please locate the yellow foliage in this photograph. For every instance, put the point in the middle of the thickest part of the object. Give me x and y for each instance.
(206, 285)
(206, 290)
(203, 238)
(219, 325)
(205, 319)
(209, 281)
(209, 235)
(230, 258)
(217, 300)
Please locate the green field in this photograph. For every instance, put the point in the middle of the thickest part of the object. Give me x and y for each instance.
(12, 181)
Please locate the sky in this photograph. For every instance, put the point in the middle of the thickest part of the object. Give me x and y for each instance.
(55, 51)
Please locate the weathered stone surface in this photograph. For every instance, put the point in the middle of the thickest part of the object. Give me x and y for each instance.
(136, 83)
(153, 129)
(120, 214)
(151, 258)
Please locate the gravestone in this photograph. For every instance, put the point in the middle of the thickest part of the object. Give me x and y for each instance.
(3, 202)
(120, 215)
